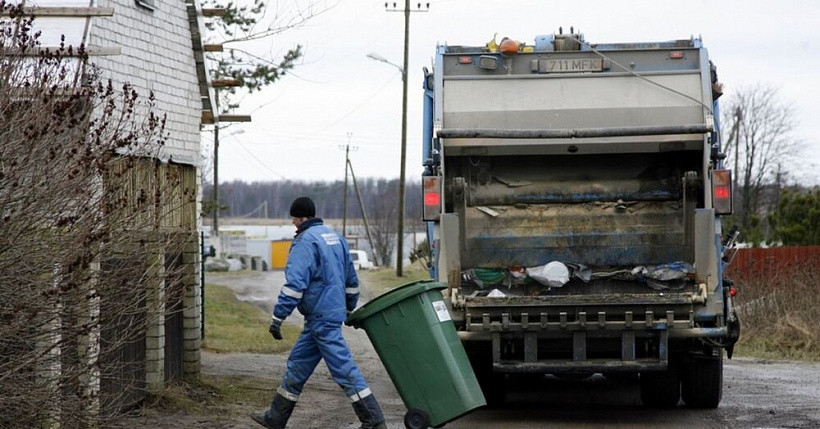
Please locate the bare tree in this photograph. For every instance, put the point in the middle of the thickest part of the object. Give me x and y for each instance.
(760, 143)
(85, 237)
(246, 30)
(384, 228)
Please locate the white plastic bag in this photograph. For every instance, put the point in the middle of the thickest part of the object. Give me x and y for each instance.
(554, 274)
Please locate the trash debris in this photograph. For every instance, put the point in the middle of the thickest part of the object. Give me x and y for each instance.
(580, 271)
(469, 276)
(554, 274)
(488, 211)
(520, 281)
(512, 183)
(483, 277)
(615, 275)
(665, 272)
(518, 272)
(489, 276)
(495, 293)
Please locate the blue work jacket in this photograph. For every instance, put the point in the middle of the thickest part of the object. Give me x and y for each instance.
(320, 279)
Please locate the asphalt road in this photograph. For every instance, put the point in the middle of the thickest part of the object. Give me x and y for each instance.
(757, 393)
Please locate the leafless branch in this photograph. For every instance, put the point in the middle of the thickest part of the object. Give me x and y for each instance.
(82, 232)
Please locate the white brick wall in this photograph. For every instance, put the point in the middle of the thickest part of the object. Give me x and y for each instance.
(157, 55)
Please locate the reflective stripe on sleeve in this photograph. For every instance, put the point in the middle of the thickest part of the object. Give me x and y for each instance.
(287, 395)
(290, 292)
(352, 290)
(361, 394)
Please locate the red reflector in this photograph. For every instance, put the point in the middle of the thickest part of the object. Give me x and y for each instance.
(676, 55)
(465, 60)
(431, 198)
(732, 291)
(722, 191)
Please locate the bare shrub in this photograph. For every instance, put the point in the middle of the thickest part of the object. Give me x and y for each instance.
(779, 313)
(84, 233)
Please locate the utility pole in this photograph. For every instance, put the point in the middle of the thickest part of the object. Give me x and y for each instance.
(215, 229)
(364, 213)
(400, 235)
(216, 117)
(344, 203)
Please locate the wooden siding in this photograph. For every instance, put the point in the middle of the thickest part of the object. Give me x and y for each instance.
(773, 261)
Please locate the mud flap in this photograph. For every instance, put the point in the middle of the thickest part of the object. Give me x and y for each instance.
(733, 325)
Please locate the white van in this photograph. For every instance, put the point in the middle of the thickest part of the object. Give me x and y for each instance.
(360, 260)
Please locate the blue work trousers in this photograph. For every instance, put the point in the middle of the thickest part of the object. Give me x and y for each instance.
(322, 340)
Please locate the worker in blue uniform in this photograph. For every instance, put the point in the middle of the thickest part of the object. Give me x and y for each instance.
(321, 283)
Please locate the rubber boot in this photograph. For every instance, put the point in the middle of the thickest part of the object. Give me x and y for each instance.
(277, 416)
(369, 413)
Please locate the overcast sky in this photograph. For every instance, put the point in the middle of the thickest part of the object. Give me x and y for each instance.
(301, 123)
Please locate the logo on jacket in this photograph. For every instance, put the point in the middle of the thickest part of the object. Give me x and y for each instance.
(331, 238)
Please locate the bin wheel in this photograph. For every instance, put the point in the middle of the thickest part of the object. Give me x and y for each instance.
(416, 419)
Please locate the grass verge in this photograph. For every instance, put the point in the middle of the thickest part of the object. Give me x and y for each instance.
(232, 326)
(383, 279)
(240, 390)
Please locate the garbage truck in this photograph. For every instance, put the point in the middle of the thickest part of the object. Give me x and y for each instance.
(573, 195)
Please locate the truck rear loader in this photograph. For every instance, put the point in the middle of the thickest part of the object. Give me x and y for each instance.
(573, 194)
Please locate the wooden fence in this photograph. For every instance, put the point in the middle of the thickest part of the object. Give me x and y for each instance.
(773, 261)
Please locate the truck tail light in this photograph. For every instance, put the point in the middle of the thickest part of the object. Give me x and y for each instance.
(431, 186)
(722, 191)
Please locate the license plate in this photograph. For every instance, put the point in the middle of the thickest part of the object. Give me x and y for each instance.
(570, 65)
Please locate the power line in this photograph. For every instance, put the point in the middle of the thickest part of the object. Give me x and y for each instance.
(255, 158)
(350, 112)
(260, 206)
(373, 141)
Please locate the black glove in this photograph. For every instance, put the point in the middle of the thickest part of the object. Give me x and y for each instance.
(276, 329)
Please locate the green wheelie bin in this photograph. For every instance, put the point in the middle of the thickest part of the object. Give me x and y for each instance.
(411, 330)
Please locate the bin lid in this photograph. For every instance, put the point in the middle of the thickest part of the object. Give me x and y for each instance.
(392, 297)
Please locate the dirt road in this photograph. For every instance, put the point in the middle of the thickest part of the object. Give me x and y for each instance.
(757, 393)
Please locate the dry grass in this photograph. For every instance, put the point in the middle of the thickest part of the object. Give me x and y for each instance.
(384, 279)
(779, 315)
(212, 398)
(232, 326)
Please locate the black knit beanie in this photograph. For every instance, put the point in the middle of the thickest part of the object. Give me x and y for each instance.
(303, 207)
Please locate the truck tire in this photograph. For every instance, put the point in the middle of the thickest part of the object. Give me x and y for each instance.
(702, 382)
(493, 385)
(660, 389)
